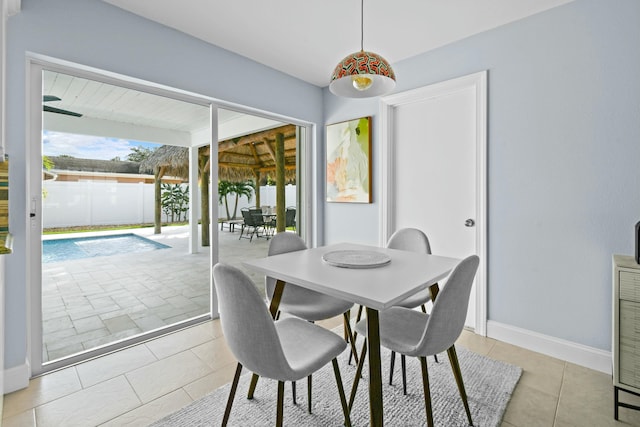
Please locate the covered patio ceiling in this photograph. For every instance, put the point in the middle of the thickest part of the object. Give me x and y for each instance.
(120, 112)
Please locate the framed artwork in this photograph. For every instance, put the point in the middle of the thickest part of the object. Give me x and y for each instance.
(349, 161)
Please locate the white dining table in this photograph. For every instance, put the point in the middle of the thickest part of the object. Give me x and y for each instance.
(375, 288)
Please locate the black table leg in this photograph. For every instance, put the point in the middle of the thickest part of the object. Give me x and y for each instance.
(375, 371)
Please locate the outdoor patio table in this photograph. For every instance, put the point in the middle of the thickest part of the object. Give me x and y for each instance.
(376, 288)
(231, 223)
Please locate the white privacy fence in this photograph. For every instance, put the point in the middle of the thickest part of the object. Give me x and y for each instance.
(83, 203)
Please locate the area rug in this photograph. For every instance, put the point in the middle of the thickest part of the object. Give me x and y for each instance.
(489, 384)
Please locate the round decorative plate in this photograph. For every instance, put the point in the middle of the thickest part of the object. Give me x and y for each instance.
(356, 259)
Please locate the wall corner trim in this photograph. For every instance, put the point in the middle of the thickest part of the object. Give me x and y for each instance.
(17, 378)
(589, 357)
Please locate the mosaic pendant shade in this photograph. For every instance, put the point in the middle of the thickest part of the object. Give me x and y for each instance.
(362, 75)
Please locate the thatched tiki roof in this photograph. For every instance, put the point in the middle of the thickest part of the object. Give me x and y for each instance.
(239, 159)
(252, 156)
(170, 159)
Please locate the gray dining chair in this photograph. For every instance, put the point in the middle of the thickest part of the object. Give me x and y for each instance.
(284, 350)
(413, 333)
(410, 239)
(415, 240)
(304, 303)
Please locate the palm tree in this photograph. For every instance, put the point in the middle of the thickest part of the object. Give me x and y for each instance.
(225, 188)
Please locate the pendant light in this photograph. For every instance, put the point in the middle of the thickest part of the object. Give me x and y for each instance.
(362, 74)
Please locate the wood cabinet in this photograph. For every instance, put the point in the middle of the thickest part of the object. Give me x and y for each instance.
(626, 328)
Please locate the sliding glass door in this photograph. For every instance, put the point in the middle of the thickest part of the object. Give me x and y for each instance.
(118, 216)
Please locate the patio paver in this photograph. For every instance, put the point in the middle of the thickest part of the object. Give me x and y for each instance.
(93, 301)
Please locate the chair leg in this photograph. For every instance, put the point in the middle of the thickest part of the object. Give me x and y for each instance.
(232, 394)
(345, 316)
(403, 362)
(280, 409)
(427, 392)
(349, 336)
(343, 400)
(356, 380)
(455, 367)
(391, 368)
(293, 392)
(309, 393)
(355, 334)
(252, 386)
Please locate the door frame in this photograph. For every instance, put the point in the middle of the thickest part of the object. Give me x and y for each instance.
(388, 104)
(36, 63)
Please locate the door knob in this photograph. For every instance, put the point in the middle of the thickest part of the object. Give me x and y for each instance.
(469, 223)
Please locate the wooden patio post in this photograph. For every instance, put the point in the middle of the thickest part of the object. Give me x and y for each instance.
(157, 212)
(257, 174)
(203, 162)
(280, 200)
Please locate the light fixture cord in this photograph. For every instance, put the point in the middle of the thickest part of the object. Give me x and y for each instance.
(362, 25)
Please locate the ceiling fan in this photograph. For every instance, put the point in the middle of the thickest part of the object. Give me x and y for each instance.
(49, 98)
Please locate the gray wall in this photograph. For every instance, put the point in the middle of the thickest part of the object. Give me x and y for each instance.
(96, 34)
(564, 161)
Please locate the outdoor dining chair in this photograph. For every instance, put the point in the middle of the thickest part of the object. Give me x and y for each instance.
(413, 333)
(304, 303)
(253, 222)
(290, 217)
(285, 350)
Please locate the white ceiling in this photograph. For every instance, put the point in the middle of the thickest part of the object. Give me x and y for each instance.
(307, 39)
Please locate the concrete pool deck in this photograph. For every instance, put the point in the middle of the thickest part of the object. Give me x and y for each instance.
(89, 302)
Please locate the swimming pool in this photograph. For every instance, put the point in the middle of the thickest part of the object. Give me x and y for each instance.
(86, 247)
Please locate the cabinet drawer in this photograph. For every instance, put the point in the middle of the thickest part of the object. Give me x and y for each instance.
(629, 286)
(629, 377)
(629, 351)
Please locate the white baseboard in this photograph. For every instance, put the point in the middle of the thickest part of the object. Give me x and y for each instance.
(17, 378)
(589, 357)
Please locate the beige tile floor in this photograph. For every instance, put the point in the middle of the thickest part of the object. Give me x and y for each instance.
(138, 385)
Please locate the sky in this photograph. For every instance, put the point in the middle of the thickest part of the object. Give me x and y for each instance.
(87, 146)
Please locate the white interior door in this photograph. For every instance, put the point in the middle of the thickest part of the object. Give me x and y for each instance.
(434, 168)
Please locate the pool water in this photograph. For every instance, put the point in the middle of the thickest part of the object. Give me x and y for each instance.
(87, 247)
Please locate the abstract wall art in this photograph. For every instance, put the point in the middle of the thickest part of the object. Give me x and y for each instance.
(349, 161)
